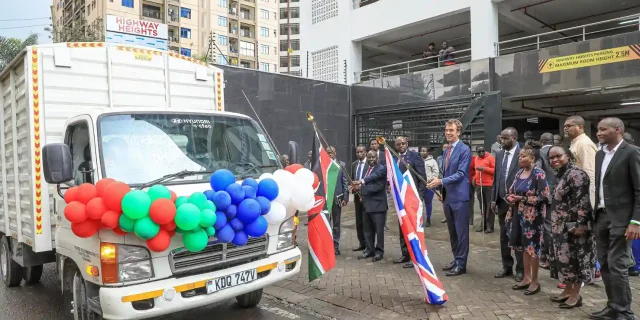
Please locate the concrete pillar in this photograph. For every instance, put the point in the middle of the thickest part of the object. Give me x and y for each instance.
(354, 61)
(484, 29)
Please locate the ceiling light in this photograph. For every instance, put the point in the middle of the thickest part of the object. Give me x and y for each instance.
(630, 103)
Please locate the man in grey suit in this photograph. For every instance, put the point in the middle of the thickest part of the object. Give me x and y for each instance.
(506, 168)
(341, 199)
(617, 215)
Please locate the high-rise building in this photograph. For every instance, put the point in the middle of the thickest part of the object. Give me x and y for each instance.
(242, 33)
(290, 37)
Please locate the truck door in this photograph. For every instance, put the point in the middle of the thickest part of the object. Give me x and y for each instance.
(79, 138)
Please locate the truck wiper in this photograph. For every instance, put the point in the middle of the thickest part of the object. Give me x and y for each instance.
(180, 174)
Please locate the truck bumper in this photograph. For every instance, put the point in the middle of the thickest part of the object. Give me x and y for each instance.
(174, 295)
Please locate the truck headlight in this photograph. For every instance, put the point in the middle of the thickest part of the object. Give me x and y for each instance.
(123, 263)
(286, 234)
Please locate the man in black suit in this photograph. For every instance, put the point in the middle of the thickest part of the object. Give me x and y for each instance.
(617, 217)
(414, 160)
(506, 168)
(375, 146)
(341, 199)
(373, 189)
(358, 170)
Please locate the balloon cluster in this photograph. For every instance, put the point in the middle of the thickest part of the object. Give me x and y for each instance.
(297, 186)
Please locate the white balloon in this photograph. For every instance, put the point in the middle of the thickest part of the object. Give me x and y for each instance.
(277, 213)
(304, 176)
(284, 193)
(301, 196)
(265, 176)
(291, 210)
(308, 206)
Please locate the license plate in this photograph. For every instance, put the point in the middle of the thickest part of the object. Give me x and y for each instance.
(232, 280)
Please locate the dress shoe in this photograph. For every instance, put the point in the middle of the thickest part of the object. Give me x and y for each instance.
(443, 220)
(403, 259)
(359, 248)
(504, 273)
(519, 286)
(456, 271)
(633, 272)
(479, 229)
(450, 266)
(365, 255)
(428, 223)
(534, 291)
(377, 257)
(571, 306)
(408, 265)
(490, 230)
(519, 276)
(337, 251)
(606, 313)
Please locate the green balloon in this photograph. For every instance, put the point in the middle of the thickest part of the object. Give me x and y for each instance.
(207, 218)
(136, 204)
(126, 223)
(210, 231)
(199, 199)
(178, 230)
(146, 229)
(195, 241)
(159, 191)
(181, 200)
(209, 205)
(187, 217)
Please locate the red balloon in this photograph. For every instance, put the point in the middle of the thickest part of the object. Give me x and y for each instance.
(85, 229)
(114, 193)
(118, 231)
(316, 182)
(170, 226)
(110, 219)
(172, 233)
(101, 186)
(75, 212)
(86, 192)
(294, 167)
(174, 196)
(96, 208)
(162, 211)
(71, 195)
(160, 242)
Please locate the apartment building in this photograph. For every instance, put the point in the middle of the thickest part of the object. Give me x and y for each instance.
(290, 38)
(245, 32)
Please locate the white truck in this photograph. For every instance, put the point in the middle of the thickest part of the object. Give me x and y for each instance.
(79, 112)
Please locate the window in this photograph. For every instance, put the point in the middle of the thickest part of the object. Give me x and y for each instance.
(246, 14)
(222, 3)
(185, 33)
(264, 66)
(264, 49)
(247, 48)
(264, 32)
(77, 138)
(295, 28)
(150, 11)
(295, 13)
(127, 3)
(185, 52)
(295, 61)
(223, 40)
(294, 43)
(264, 14)
(245, 64)
(185, 13)
(222, 59)
(222, 21)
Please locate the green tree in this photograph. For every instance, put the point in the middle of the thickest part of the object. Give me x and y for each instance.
(11, 47)
(78, 31)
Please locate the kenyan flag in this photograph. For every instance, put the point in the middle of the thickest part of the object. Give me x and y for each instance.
(329, 171)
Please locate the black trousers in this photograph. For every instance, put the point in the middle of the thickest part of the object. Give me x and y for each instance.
(374, 231)
(359, 219)
(484, 200)
(336, 216)
(505, 251)
(613, 253)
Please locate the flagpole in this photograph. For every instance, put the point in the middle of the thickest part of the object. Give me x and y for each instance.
(324, 141)
(383, 141)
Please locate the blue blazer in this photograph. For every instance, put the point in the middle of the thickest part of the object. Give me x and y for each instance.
(374, 191)
(455, 175)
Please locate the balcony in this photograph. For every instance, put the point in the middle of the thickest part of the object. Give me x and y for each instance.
(152, 13)
(174, 36)
(247, 32)
(247, 64)
(173, 16)
(249, 2)
(233, 30)
(233, 47)
(247, 15)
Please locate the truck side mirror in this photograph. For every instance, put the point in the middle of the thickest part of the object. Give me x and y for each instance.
(58, 164)
(294, 151)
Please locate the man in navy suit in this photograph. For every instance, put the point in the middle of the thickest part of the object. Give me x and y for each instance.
(341, 199)
(414, 160)
(455, 194)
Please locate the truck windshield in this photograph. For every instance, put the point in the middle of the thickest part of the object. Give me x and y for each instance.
(137, 148)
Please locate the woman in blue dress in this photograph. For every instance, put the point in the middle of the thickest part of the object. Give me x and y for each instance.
(528, 196)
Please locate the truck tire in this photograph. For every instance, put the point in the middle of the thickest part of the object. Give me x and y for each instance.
(11, 270)
(32, 275)
(249, 299)
(77, 300)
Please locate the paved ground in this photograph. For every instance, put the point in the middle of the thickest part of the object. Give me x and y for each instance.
(387, 291)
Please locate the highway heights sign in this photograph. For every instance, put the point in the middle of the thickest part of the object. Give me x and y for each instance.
(138, 32)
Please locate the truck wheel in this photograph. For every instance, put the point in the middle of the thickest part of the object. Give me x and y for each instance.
(11, 271)
(32, 275)
(250, 299)
(79, 300)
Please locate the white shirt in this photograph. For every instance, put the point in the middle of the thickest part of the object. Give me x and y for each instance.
(360, 169)
(509, 159)
(608, 155)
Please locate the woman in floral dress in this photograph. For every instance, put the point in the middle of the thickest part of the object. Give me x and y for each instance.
(528, 196)
(573, 250)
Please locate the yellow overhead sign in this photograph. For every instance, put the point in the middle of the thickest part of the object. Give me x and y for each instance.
(588, 59)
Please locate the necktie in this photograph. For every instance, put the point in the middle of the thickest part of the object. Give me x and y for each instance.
(446, 161)
(368, 171)
(359, 171)
(502, 185)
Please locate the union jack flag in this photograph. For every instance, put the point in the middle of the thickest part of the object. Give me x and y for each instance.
(409, 209)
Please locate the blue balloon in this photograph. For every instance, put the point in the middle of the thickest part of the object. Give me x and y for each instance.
(250, 182)
(268, 188)
(240, 239)
(231, 212)
(265, 205)
(236, 224)
(209, 194)
(248, 210)
(221, 179)
(226, 234)
(257, 228)
(249, 192)
(221, 220)
(222, 200)
(236, 192)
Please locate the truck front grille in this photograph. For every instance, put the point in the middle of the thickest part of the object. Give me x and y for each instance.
(217, 256)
